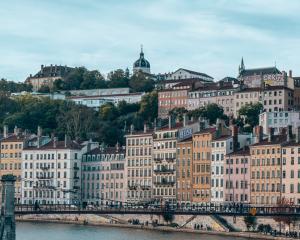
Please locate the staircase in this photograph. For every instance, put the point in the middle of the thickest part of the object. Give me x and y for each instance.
(188, 221)
(223, 222)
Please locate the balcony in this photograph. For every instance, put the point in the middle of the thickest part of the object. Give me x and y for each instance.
(45, 168)
(132, 187)
(158, 160)
(44, 177)
(76, 177)
(144, 187)
(172, 159)
(164, 170)
(164, 183)
(76, 168)
(76, 187)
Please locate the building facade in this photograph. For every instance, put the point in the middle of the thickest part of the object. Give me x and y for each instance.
(103, 176)
(139, 166)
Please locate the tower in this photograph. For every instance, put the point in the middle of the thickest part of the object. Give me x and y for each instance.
(141, 64)
(242, 66)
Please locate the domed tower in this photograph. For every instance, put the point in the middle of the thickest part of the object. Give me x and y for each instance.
(141, 64)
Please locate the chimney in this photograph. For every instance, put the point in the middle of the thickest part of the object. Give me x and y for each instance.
(5, 131)
(290, 73)
(234, 133)
(117, 147)
(170, 121)
(289, 133)
(54, 142)
(66, 140)
(155, 124)
(271, 134)
(131, 129)
(298, 135)
(185, 119)
(219, 127)
(258, 133)
(16, 131)
(145, 128)
(42, 68)
(39, 131)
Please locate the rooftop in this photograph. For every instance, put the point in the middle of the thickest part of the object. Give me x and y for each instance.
(277, 139)
(240, 152)
(106, 150)
(73, 145)
(258, 71)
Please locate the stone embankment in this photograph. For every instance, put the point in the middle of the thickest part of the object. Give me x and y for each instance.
(189, 224)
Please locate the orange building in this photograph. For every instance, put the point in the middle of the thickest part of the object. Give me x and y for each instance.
(184, 171)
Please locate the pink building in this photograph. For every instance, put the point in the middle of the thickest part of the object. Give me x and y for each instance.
(103, 178)
(237, 176)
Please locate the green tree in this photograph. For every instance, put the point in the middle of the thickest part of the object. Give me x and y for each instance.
(139, 82)
(108, 112)
(149, 107)
(250, 222)
(118, 79)
(13, 87)
(168, 216)
(44, 89)
(211, 112)
(178, 113)
(250, 113)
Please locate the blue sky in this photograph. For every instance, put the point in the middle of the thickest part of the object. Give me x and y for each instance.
(209, 36)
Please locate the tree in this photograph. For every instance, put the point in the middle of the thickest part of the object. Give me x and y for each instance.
(178, 113)
(211, 112)
(168, 216)
(44, 89)
(108, 112)
(12, 87)
(149, 107)
(139, 82)
(250, 222)
(250, 113)
(118, 79)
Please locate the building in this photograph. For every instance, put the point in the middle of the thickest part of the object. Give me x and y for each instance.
(246, 96)
(183, 74)
(51, 171)
(47, 76)
(237, 176)
(279, 121)
(220, 93)
(278, 98)
(97, 101)
(103, 176)
(98, 92)
(184, 172)
(266, 168)
(175, 97)
(164, 158)
(11, 156)
(202, 159)
(291, 171)
(139, 166)
(141, 64)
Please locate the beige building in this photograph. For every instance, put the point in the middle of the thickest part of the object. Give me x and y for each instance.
(139, 166)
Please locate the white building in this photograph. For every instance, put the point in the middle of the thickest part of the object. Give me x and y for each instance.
(51, 172)
(182, 74)
(97, 101)
(222, 146)
(98, 91)
(279, 121)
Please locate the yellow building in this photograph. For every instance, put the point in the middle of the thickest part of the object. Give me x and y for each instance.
(11, 157)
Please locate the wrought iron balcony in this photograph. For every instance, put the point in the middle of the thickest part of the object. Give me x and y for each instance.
(164, 171)
(158, 160)
(46, 168)
(132, 187)
(76, 168)
(170, 159)
(44, 177)
(164, 182)
(144, 187)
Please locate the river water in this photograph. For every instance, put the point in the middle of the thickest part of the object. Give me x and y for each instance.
(53, 231)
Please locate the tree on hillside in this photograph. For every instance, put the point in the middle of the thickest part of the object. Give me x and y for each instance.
(44, 89)
(11, 87)
(139, 82)
(211, 112)
(108, 112)
(250, 113)
(118, 79)
(149, 107)
(178, 113)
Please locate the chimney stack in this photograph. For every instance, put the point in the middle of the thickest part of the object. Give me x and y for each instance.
(219, 127)
(16, 131)
(66, 140)
(131, 129)
(185, 119)
(271, 134)
(145, 128)
(234, 133)
(170, 121)
(54, 142)
(289, 133)
(258, 133)
(155, 124)
(5, 131)
(39, 131)
(290, 73)
(298, 135)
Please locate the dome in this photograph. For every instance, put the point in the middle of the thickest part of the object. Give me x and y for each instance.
(142, 63)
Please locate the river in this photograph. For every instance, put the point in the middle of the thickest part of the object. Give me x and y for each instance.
(53, 231)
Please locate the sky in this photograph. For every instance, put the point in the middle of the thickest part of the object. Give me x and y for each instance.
(209, 36)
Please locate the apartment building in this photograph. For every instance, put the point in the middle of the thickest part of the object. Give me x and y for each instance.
(237, 176)
(51, 171)
(246, 96)
(11, 156)
(139, 166)
(164, 158)
(103, 176)
(266, 168)
(184, 172)
(279, 121)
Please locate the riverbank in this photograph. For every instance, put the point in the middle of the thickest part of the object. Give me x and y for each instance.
(246, 235)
